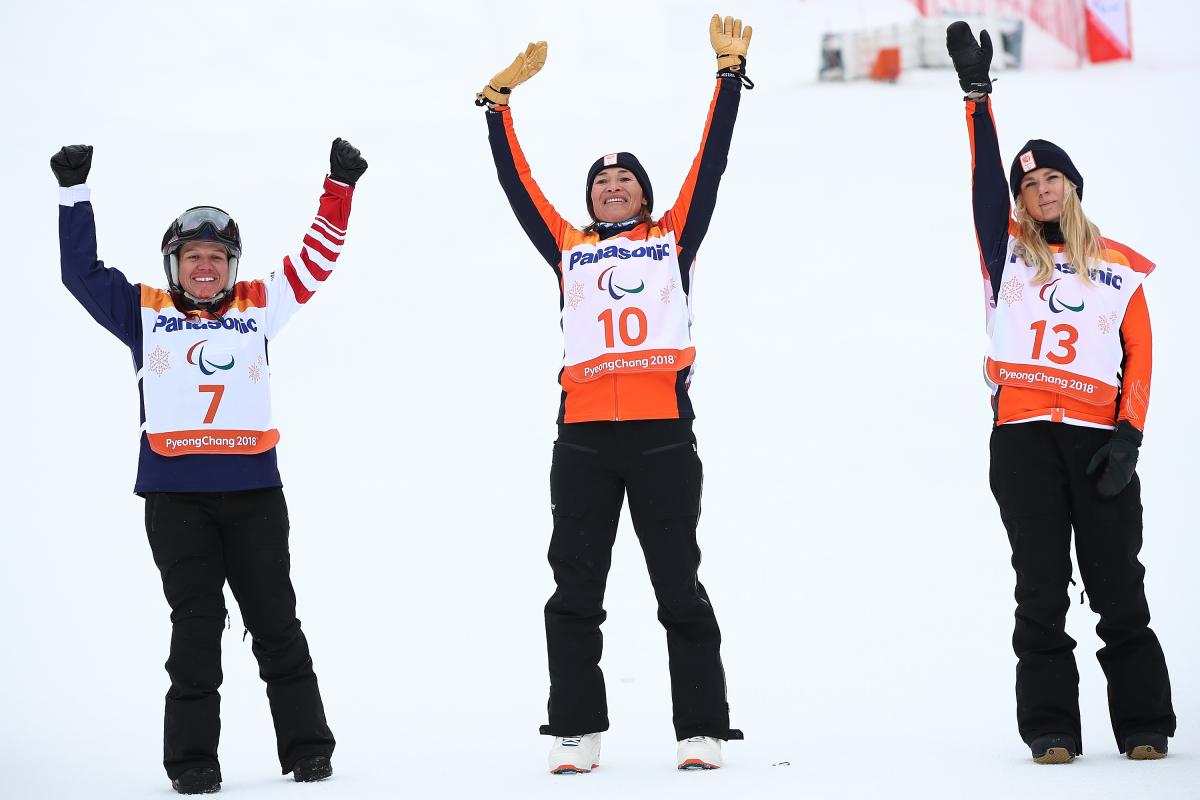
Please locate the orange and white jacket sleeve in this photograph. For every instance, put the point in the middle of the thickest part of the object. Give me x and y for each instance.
(1135, 376)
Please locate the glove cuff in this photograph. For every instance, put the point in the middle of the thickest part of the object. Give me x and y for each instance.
(973, 86)
(1126, 431)
(491, 94)
(730, 61)
(735, 69)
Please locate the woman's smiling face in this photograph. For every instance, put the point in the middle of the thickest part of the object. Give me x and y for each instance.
(203, 269)
(616, 195)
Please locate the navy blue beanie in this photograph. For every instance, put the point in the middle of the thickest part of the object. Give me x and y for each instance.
(628, 161)
(1038, 153)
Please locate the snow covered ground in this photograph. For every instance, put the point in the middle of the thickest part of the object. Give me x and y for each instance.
(853, 550)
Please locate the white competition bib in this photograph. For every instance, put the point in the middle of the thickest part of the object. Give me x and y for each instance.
(1063, 336)
(205, 382)
(624, 309)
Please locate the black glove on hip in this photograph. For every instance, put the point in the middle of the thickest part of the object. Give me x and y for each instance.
(346, 164)
(971, 60)
(1115, 461)
(71, 164)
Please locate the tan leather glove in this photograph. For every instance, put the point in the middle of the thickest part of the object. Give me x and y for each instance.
(731, 41)
(523, 67)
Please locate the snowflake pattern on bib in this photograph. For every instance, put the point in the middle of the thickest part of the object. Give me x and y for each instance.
(575, 296)
(1107, 323)
(256, 373)
(665, 293)
(1012, 291)
(160, 361)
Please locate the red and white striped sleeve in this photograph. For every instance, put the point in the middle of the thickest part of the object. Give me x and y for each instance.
(303, 273)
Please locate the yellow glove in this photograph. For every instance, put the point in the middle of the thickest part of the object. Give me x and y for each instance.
(523, 67)
(731, 41)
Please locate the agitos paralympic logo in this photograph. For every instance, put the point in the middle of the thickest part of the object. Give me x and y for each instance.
(1057, 306)
(611, 286)
(195, 355)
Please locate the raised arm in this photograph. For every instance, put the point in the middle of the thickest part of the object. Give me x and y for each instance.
(989, 184)
(989, 191)
(303, 273)
(692, 212)
(106, 294)
(689, 217)
(541, 223)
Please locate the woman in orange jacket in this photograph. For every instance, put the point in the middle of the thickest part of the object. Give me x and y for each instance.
(1069, 365)
(625, 419)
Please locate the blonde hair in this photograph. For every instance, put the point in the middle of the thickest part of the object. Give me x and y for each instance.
(1081, 238)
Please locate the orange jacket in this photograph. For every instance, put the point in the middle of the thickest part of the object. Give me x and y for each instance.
(613, 397)
(993, 227)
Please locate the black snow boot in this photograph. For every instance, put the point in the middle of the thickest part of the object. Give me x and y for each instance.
(1144, 746)
(313, 768)
(1054, 748)
(198, 780)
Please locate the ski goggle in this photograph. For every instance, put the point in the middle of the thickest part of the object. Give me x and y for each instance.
(203, 223)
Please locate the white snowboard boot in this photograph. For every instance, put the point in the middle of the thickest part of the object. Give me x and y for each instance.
(699, 752)
(570, 755)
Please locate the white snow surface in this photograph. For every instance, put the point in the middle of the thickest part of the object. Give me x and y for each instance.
(852, 548)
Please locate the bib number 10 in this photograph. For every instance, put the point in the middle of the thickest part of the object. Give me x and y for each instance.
(1067, 337)
(626, 322)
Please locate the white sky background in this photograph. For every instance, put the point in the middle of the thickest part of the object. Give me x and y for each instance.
(852, 549)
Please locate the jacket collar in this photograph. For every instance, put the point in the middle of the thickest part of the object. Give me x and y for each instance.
(607, 229)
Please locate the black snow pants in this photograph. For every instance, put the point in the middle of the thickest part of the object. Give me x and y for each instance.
(595, 465)
(1039, 481)
(199, 542)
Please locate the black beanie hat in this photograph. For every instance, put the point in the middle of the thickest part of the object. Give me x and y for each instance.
(1039, 153)
(628, 161)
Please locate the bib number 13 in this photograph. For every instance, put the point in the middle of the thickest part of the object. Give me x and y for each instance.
(626, 321)
(1067, 337)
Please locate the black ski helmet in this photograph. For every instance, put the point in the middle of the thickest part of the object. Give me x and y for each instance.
(202, 224)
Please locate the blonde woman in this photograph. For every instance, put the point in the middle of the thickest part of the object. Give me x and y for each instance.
(1069, 365)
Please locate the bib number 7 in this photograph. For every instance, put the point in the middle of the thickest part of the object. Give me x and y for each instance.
(218, 391)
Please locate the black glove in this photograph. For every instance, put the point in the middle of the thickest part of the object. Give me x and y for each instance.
(1115, 461)
(72, 164)
(972, 61)
(346, 164)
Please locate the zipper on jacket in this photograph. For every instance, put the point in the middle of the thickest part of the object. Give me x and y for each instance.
(616, 400)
